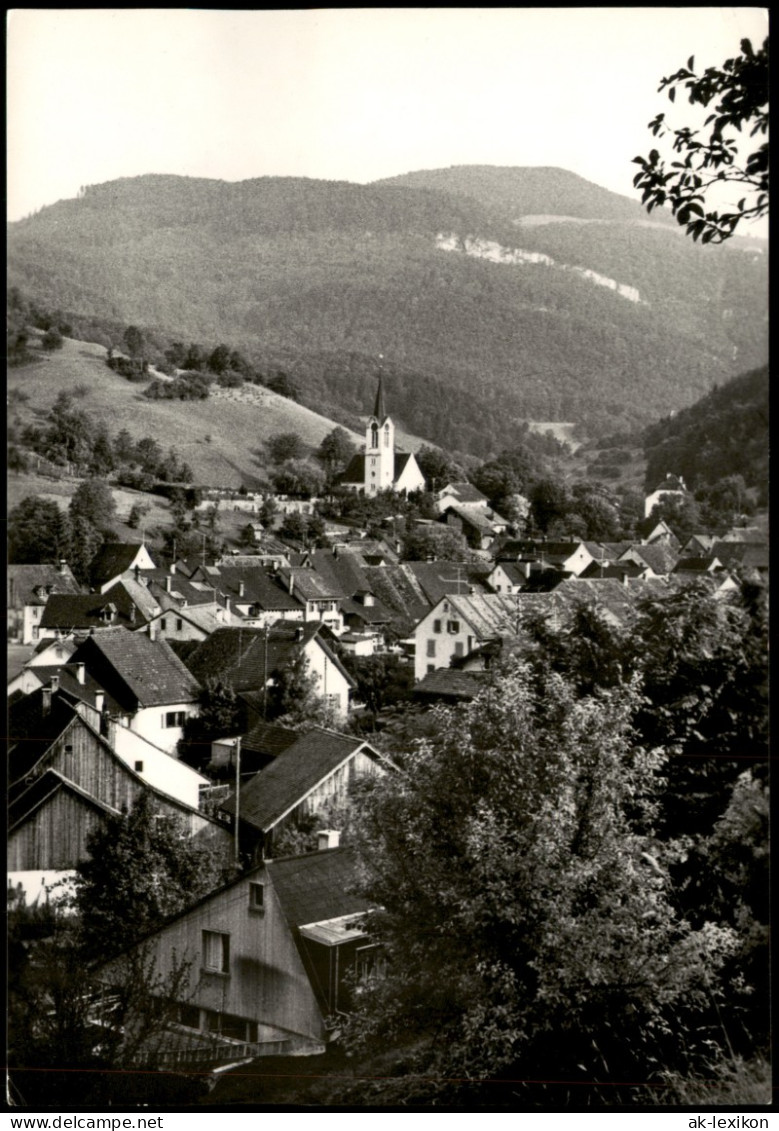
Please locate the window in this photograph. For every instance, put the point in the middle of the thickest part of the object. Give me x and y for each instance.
(453, 626)
(179, 624)
(163, 624)
(430, 668)
(189, 1016)
(370, 962)
(458, 648)
(257, 897)
(139, 767)
(216, 952)
(436, 626)
(386, 435)
(431, 648)
(174, 718)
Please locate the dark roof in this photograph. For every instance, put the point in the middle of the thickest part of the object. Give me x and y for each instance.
(513, 572)
(149, 669)
(31, 731)
(317, 886)
(379, 411)
(238, 655)
(270, 739)
(611, 569)
(112, 559)
(272, 793)
(450, 684)
(69, 684)
(747, 555)
(22, 581)
(661, 558)
(697, 565)
(343, 570)
(311, 585)
(440, 578)
(133, 605)
(369, 614)
(259, 587)
(355, 469)
(670, 483)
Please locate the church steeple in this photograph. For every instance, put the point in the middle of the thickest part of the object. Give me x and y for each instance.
(379, 411)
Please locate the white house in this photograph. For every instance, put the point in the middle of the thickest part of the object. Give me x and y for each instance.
(458, 624)
(673, 486)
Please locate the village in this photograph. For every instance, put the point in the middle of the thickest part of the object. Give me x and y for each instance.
(117, 675)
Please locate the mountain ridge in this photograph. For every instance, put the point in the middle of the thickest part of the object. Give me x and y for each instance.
(319, 278)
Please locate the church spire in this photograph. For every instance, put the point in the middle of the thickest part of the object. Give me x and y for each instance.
(379, 410)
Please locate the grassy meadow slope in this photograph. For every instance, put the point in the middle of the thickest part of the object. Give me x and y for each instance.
(221, 438)
(317, 278)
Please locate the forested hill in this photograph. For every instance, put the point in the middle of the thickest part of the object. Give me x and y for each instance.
(483, 322)
(723, 434)
(528, 191)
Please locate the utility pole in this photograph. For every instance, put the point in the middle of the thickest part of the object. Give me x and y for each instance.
(265, 677)
(237, 795)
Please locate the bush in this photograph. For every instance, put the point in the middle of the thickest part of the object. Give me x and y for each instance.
(52, 340)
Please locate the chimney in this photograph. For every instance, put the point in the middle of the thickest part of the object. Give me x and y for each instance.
(81, 673)
(55, 683)
(299, 634)
(227, 604)
(328, 838)
(63, 565)
(99, 701)
(46, 701)
(172, 567)
(137, 570)
(241, 589)
(167, 584)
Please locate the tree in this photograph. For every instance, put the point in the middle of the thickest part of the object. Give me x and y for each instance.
(285, 446)
(282, 385)
(336, 450)
(84, 540)
(71, 433)
(738, 91)
(220, 715)
(134, 341)
(94, 501)
(52, 340)
(293, 696)
(37, 532)
(301, 477)
(527, 920)
(437, 467)
(219, 359)
(549, 503)
(142, 866)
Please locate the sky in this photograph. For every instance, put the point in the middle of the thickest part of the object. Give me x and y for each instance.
(343, 94)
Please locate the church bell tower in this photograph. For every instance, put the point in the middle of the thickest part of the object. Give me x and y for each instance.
(379, 447)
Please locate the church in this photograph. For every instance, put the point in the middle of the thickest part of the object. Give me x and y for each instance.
(381, 467)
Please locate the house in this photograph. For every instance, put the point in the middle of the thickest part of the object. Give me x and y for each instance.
(380, 467)
(698, 545)
(126, 603)
(508, 577)
(653, 532)
(567, 557)
(479, 525)
(658, 556)
(673, 486)
(255, 595)
(247, 659)
(65, 778)
(463, 495)
(154, 691)
(115, 560)
(273, 958)
(437, 579)
(29, 588)
(259, 746)
(186, 623)
(314, 774)
(450, 686)
(320, 597)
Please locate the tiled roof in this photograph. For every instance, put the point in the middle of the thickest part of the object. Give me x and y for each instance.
(670, 483)
(464, 492)
(480, 519)
(70, 686)
(658, 557)
(149, 669)
(270, 739)
(238, 655)
(747, 555)
(449, 683)
(369, 614)
(112, 559)
(697, 565)
(611, 569)
(317, 886)
(343, 570)
(310, 585)
(259, 588)
(272, 793)
(23, 580)
(133, 604)
(437, 579)
(513, 572)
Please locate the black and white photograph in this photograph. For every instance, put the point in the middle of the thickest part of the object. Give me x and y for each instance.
(387, 563)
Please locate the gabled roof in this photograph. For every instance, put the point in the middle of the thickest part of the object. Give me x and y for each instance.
(370, 614)
(112, 559)
(437, 579)
(282, 785)
(310, 585)
(259, 588)
(238, 655)
(132, 606)
(484, 520)
(670, 483)
(659, 557)
(70, 685)
(149, 669)
(269, 739)
(355, 469)
(513, 572)
(317, 886)
(32, 730)
(464, 492)
(619, 570)
(41, 790)
(744, 555)
(22, 581)
(697, 565)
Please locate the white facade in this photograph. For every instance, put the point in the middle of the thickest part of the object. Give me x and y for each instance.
(379, 456)
(160, 769)
(332, 685)
(162, 725)
(440, 636)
